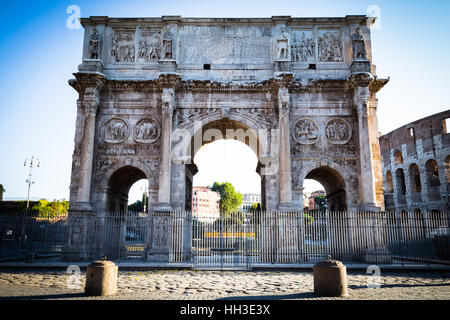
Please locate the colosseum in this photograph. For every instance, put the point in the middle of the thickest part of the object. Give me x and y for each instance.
(416, 165)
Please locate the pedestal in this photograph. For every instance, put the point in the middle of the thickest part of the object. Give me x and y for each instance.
(91, 65)
(360, 65)
(282, 65)
(159, 240)
(167, 65)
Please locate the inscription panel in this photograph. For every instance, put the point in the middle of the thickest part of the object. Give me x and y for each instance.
(224, 44)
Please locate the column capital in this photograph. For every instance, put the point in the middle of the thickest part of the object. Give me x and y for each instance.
(87, 83)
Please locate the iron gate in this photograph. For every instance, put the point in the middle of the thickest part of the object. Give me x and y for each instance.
(229, 241)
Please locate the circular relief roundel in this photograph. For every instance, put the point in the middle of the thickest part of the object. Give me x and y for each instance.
(338, 131)
(305, 131)
(147, 130)
(115, 130)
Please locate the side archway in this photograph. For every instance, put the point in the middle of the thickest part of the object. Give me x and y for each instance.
(117, 181)
(333, 178)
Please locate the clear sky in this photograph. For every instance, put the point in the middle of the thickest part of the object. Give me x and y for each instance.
(38, 55)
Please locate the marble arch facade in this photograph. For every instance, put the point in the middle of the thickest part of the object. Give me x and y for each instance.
(307, 86)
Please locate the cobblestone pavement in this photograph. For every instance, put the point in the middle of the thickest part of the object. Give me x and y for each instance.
(208, 285)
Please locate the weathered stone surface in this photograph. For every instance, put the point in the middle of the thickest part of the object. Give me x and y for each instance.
(152, 91)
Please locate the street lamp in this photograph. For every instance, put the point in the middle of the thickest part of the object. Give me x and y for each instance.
(30, 181)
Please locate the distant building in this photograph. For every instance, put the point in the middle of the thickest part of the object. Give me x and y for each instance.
(416, 165)
(248, 199)
(312, 205)
(205, 201)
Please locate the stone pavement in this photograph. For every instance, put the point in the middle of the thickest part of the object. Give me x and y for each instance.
(208, 285)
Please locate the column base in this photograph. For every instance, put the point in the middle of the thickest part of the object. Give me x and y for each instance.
(287, 206)
(162, 207)
(370, 207)
(82, 206)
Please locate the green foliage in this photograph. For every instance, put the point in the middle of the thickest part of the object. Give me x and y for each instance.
(2, 190)
(308, 219)
(138, 206)
(321, 201)
(256, 207)
(230, 199)
(51, 209)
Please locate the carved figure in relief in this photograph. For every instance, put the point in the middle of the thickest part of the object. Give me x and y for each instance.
(283, 45)
(303, 50)
(115, 131)
(337, 131)
(149, 49)
(358, 45)
(122, 47)
(167, 45)
(306, 131)
(94, 45)
(330, 47)
(147, 130)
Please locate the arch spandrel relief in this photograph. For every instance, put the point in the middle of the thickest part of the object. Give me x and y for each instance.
(306, 131)
(338, 131)
(147, 130)
(115, 130)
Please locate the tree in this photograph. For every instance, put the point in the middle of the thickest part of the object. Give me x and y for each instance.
(51, 209)
(230, 200)
(138, 206)
(2, 190)
(256, 207)
(321, 201)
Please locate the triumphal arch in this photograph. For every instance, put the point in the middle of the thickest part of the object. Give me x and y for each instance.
(301, 92)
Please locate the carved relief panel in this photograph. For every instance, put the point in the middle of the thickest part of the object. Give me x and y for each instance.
(330, 47)
(122, 46)
(338, 131)
(306, 131)
(147, 131)
(114, 130)
(149, 45)
(303, 46)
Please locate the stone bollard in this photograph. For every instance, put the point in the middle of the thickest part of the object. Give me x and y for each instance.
(101, 278)
(330, 278)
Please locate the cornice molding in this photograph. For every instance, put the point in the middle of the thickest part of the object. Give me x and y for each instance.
(270, 85)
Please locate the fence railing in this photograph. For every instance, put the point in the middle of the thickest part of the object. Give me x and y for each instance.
(237, 240)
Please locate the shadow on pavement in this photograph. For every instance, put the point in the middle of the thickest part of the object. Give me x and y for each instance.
(46, 297)
(402, 285)
(304, 295)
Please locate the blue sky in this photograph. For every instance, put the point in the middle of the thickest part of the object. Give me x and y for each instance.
(38, 54)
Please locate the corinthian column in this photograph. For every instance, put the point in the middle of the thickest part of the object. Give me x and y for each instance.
(168, 100)
(366, 125)
(285, 149)
(366, 178)
(87, 154)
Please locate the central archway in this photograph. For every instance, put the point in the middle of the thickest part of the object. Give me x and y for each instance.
(214, 128)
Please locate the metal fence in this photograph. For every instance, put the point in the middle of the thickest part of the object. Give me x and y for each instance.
(25, 235)
(236, 240)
